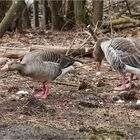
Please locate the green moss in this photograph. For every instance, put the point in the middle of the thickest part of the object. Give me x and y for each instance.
(103, 134)
(110, 136)
(81, 18)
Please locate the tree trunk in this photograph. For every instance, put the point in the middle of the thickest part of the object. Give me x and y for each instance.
(4, 6)
(57, 20)
(46, 14)
(35, 12)
(69, 13)
(15, 8)
(79, 11)
(97, 12)
(26, 19)
(19, 20)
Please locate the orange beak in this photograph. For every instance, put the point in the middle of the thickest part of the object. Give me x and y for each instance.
(98, 65)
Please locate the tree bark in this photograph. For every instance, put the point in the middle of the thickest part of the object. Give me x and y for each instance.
(69, 9)
(69, 13)
(79, 11)
(46, 14)
(97, 12)
(4, 6)
(26, 19)
(16, 7)
(35, 11)
(19, 20)
(56, 19)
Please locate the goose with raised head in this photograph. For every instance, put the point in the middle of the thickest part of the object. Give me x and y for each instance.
(42, 66)
(123, 54)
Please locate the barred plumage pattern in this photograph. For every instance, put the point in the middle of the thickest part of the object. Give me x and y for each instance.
(122, 51)
(42, 65)
(42, 55)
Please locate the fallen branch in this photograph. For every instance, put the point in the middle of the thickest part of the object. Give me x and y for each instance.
(20, 52)
(13, 52)
(81, 47)
(104, 31)
(119, 21)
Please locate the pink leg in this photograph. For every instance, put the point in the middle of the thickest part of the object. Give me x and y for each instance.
(39, 94)
(123, 86)
(43, 94)
(129, 85)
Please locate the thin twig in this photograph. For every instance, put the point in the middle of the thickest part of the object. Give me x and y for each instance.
(81, 45)
(114, 5)
(62, 83)
(128, 7)
(93, 33)
(71, 45)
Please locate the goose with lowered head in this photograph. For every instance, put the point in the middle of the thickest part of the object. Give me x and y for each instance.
(42, 66)
(123, 54)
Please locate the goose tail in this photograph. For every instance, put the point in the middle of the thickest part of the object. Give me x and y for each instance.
(78, 63)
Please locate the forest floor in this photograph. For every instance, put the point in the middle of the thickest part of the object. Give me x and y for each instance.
(86, 108)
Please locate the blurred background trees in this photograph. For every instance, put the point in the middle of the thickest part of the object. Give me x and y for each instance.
(60, 15)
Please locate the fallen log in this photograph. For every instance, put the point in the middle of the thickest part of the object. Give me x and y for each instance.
(9, 52)
(107, 30)
(122, 20)
(120, 23)
(16, 53)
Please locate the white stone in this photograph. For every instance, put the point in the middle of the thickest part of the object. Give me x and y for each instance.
(101, 103)
(22, 93)
(115, 92)
(138, 102)
(120, 101)
(98, 73)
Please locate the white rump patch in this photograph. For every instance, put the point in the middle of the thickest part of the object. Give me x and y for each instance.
(66, 70)
(132, 69)
(76, 63)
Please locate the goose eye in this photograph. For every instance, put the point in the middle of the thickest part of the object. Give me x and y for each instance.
(6, 60)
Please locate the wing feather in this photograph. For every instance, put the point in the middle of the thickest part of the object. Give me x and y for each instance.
(128, 49)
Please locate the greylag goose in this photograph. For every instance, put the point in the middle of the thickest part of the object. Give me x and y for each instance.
(123, 54)
(42, 66)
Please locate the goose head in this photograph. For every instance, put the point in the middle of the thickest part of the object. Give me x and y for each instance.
(98, 52)
(11, 66)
